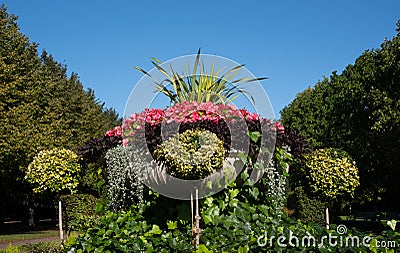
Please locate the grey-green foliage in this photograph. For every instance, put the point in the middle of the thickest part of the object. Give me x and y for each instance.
(275, 177)
(124, 186)
(276, 185)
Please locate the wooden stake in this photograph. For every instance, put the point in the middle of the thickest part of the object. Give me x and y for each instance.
(198, 230)
(60, 221)
(192, 211)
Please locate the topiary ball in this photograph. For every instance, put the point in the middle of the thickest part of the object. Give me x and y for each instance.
(193, 154)
(332, 173)
(54, 170)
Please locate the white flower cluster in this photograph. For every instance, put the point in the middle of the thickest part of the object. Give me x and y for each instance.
(124, 186)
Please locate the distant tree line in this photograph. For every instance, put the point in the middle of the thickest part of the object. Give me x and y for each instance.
(359, 111)
(41, 108)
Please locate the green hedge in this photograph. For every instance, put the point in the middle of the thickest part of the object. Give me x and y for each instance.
(79, 211)
(307, 208)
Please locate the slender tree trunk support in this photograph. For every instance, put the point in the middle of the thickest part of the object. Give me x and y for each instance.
(60, 221)
(327, 217)
(191, 209)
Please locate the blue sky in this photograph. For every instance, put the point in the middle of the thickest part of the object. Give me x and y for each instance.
(293, 43)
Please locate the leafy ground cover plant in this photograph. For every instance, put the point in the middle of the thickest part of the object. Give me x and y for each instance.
(239, 219)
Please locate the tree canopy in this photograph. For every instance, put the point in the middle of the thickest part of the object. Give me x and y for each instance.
(41, 107)
(54, 170)
(358, 111)
(331, 173)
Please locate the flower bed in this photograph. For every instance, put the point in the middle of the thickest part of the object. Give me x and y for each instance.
(220, 119)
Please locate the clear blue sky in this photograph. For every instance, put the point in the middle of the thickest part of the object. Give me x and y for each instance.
(294, 43)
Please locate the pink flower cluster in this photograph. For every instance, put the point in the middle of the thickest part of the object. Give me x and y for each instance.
(195, 111)
(151, 116)
(279, 127)
(116, 131)
(187, 112)
(249, 116)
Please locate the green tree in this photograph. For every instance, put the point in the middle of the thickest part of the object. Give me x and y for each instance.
(358, 111)
(54, 170)
(40, 108)
(332, 175)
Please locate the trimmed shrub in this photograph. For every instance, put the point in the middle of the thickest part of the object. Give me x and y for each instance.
(48, 247)
(331, 173)
(79, 211)
(124, 186)
(307, 208)
(54, 170)
(193, 154)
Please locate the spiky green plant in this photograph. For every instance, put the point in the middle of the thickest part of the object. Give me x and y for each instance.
(200, 85)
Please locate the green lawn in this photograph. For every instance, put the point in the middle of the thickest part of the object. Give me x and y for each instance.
(28, 235)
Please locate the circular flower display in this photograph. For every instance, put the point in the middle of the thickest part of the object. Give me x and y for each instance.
(201, 99)
(241, 132)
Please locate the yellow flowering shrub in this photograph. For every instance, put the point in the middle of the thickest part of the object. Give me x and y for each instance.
(193, 154)
(54, 170)
(332, 173)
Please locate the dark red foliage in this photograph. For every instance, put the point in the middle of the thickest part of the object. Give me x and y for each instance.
(96, 148)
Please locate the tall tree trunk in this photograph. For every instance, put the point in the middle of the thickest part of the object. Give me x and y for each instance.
(31, 210)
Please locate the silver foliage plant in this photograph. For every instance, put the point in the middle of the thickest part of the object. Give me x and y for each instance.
(124, 187)
(275, 176)
(276, 184)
